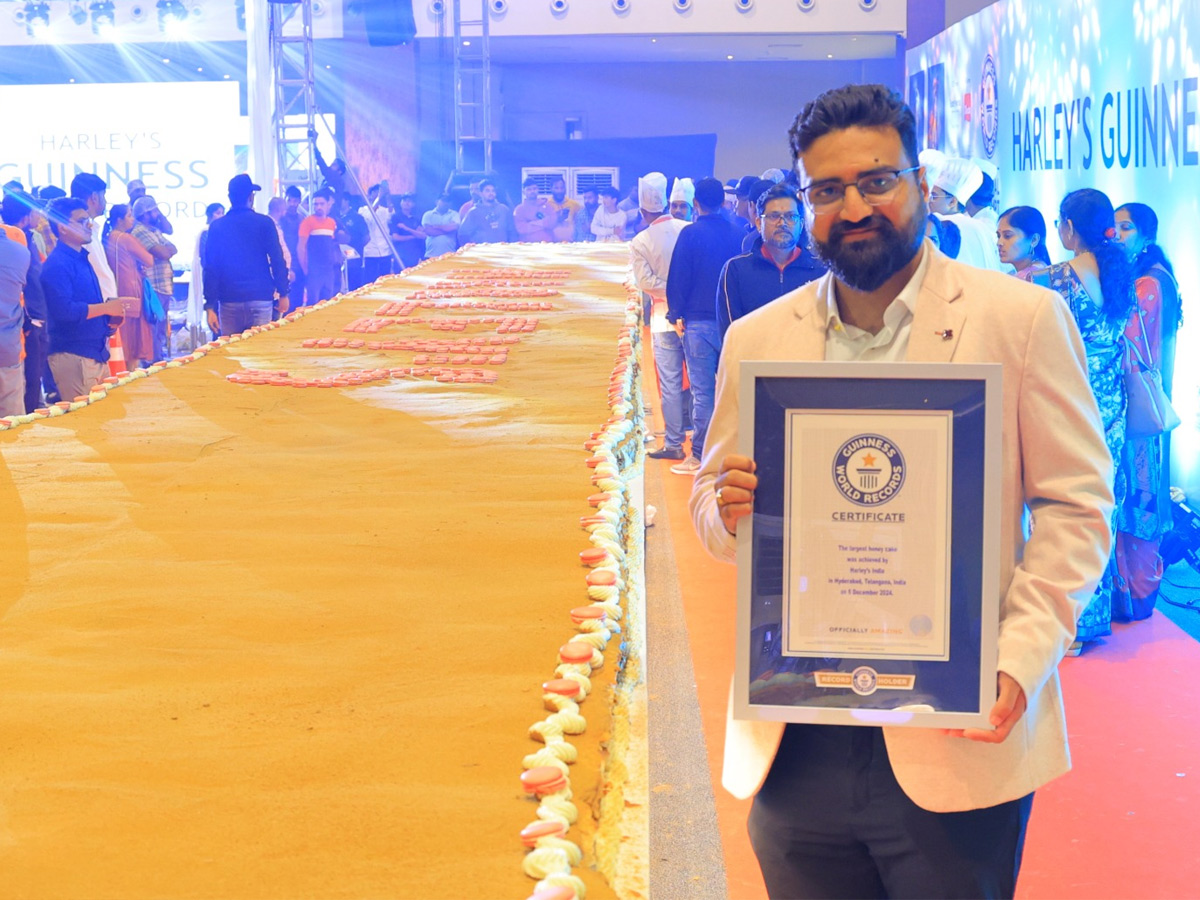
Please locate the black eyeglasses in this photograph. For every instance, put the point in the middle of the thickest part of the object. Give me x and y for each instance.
(774, 218)
(876, 188)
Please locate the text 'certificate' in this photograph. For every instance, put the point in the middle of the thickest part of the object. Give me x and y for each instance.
(866, 534)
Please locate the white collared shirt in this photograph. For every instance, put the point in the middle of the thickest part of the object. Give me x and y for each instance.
(845, 342)
(104, 272)
(650, 256)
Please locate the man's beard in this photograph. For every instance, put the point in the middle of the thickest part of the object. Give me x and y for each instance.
(865, 265)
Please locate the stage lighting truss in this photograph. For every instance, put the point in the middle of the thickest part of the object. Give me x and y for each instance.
(37, 18)
(103, 17)
(172, 17)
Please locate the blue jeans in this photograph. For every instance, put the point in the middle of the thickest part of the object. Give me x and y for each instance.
(702, 349)
(668, 360)
(237, 317)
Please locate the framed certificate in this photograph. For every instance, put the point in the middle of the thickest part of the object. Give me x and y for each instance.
(868, 573)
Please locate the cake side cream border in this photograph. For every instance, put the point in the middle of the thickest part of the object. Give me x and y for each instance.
(615, 587)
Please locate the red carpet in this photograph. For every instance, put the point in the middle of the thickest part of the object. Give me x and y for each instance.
(1121, 825)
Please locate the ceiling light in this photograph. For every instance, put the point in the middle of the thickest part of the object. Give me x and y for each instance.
(103, 17)
(37, 18)
(172, 17)
(729, 57)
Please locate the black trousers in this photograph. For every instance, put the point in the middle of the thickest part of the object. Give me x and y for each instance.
(37, 346)
(831, 821)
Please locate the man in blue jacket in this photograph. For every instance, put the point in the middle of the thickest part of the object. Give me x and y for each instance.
(244, 269)
(777, 262)
(701, 252)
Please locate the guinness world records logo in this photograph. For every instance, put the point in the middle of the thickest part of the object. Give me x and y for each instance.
(989, 112)
(868, 470)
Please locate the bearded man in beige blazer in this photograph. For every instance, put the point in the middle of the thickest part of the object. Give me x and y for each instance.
(844, 811)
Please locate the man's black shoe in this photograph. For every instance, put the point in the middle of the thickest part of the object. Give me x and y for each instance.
(666, 453)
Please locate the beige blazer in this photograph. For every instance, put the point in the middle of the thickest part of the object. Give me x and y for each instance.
(1054, 459)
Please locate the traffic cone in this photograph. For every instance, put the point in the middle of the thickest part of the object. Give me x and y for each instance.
(116, 354)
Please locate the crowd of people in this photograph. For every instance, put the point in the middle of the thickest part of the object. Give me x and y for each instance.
(704, 253)
(702, 268)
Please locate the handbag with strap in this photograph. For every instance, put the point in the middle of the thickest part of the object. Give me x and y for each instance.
(1149, 412)
(152, 308)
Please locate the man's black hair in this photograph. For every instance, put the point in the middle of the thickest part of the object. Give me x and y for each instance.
(15, 207)
(779, 191)
(855, 106)
(608, 191)
(293, 191)
(324, 193)
(59, 210)
(710, 194)
(528, 182)
(85, 184)
(212, 208)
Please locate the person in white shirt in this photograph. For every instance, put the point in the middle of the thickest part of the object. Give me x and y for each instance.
(650, 256)
(952, 185)
(91, 190)
(981, 205)
(377, 252)
(608, 224)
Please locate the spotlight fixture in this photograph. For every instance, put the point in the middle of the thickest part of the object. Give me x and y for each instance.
(744, 5)
(103, 16)
(37, 18)
(806, 5)
(138, 13)
(498, 7)
(682, 5)
(437, 8)
(172, 16)
(620, 6)
(558, 7)
(868, 5)
(78, 13)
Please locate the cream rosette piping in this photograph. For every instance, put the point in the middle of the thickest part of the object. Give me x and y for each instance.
(619, 448)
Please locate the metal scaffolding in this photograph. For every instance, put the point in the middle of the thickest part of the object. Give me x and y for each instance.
(472, 92)
(295, 113)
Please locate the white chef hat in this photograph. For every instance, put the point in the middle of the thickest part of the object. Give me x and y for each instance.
(933, 161)
(683, 190)
(990, 169)
(773, 175)
(652, 191)
(960, 177)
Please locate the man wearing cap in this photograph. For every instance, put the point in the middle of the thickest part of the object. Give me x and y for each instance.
(245, 274)
(137, 188)
(149, 232)
(650, 256)
(701, 251)
(777, 262)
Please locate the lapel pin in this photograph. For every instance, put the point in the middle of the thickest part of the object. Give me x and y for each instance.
(947, 335)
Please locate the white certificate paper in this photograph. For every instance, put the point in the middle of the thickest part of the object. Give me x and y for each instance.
(866, 535)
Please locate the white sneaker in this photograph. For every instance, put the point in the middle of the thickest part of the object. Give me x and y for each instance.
(689, 466)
